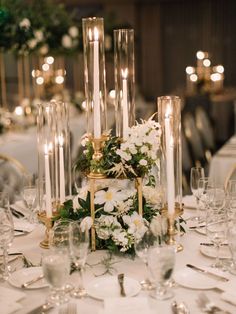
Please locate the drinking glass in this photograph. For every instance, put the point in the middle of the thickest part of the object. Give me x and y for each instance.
(204, 185)
(196, 174)
(56, 270)
(161, 261)
(216, 227)
(142, 247)
(6, 233)
(79, 246)
(29, 196)
(231, 236)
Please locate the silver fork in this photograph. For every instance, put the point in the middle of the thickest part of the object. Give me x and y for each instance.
(207, 306)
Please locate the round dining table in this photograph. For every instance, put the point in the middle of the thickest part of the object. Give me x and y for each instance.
(183, 288)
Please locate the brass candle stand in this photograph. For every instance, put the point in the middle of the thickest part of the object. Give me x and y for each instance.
(171, 227)
(48, 222)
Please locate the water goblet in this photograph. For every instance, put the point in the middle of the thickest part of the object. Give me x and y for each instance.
(141, 247)
(161, 261)
(79, 246)
(29, 196)
(231, 237)
(216, 227)
(195, 175)
(6, 233)
(56, 270)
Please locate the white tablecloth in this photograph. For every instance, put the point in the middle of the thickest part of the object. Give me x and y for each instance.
(29, 245)
(223, 161)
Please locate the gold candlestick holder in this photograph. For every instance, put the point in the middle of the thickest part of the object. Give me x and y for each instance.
(97, 171)
(171, 227)
(48, 222)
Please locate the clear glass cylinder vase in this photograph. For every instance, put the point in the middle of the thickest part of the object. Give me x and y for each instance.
(124, 80)
(54, 158)
(169, 117)
(95, 76)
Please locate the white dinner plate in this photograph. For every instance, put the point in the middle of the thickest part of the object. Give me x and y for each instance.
(210, 251)
(23, 275)
(108, 287)
(201, 230)
(190, 278)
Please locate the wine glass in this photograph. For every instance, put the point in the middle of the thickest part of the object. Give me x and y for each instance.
(216, 228)
(204, 184)
(231, 237)
(6, 232)
(141, 247)
(29, 196)
(161, 261)
(79, 246)
(56, 270)
(195, 175)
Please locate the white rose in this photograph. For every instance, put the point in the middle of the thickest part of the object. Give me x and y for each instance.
(73, 31)
(86, 223)
(143, 162)
(25, 23)
(66, 41)
(144, 149)
(38, 35)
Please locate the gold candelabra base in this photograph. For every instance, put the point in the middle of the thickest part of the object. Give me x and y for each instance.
(171, 227)
(48, 222)
(97, 171)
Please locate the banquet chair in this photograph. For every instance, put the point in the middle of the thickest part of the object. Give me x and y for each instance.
(194, 140)
(231, 175)
(12, 174)
(205, 129)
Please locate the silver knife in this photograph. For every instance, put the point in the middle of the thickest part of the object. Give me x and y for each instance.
(206, 272)
(30, 282)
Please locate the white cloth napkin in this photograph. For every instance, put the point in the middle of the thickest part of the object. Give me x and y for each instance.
(23, 225)
(126, 306)
(8, 300)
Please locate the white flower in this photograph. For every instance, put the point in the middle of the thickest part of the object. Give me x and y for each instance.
(73, 31)
(158, 225)
(109, 198)
(84, 139)
(76, 204)
(86, 223)
(32, 43)
(43, 50)
(152, 194)
(133, 149)
(66, 41)
(105, 225)
(143, 162)
(123, 154)
(136, 225)
(25, 23)
(83, 192)
(144, 149)
(38, 34)
(119, 236)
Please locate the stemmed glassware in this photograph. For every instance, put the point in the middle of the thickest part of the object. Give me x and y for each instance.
(6, 233)
(56, 269)
(196, 174)
(231, 237)
(161, 261)
(142, 247)
(79, 246)
(29, 195)
(204, 184)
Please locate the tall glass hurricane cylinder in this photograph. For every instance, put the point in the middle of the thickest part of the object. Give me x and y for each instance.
(124, 80)
(54, 158)
(169, 116)
(95, 76)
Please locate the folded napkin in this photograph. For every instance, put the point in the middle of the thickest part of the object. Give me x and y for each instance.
(20, 206)
(189, 201)
(23, 225)
(126, 306)
(8, 300)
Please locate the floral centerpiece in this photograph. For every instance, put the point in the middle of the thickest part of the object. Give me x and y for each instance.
(117, 222)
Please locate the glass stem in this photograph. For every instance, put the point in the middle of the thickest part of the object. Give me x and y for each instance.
(197, 208)
(81, 281)
(5, 263)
